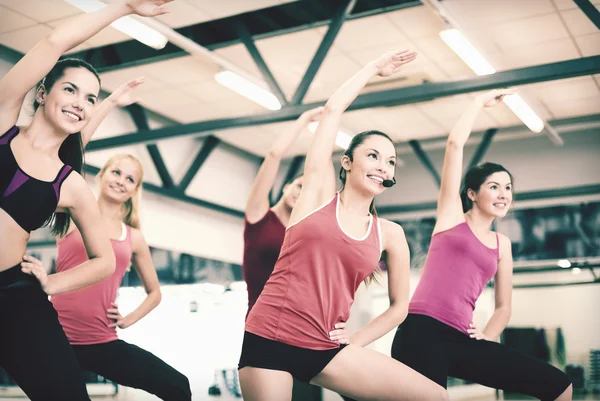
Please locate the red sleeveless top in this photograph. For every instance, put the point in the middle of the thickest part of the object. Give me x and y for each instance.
(262, 243)
(314, 281)
(83, 313)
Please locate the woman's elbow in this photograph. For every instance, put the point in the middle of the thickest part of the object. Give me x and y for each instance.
(401, 311)
(157, 297)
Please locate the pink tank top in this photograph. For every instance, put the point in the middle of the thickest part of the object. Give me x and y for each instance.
(314, 281)
(83, 313)
(457, 268)
(262, 243)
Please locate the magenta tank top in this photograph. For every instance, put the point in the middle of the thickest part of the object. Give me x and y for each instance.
(314, 281)
(457, 268)
(83, 313)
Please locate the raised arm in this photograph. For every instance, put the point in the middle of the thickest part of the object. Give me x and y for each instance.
(316, 189)
(40, 60)
(449, 208)
(398, 267)
(258, 201)
(123, 96)
(142, 263)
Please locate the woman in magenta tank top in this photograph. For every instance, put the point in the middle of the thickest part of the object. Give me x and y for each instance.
(264, 226)
(438, 338)
(333, 243)
(90, 316)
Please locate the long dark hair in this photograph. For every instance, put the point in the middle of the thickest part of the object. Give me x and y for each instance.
(475, 177)
(357, 140)
(71, 150)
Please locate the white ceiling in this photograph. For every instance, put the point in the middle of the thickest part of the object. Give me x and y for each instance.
(510, 33)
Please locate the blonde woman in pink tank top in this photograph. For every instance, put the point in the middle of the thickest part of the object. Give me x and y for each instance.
(438, 338)
(333, 243)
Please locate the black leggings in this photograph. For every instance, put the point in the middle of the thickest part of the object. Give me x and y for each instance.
(437, 351)
(33, 347)
(131, 366)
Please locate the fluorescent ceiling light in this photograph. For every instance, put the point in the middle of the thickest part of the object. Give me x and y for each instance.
(466, 51)
(564, 263)
(524, 112)
(248, 89)
(342, 139)
(576, 270)
(480, 66)
(127, 25)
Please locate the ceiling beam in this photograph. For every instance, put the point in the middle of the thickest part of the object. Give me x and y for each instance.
(334, 28)
(590, 11)
(483, 147)
(425, 161)
(286, 18)
(391, 97)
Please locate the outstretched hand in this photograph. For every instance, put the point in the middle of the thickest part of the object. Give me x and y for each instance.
(391, 62)
(148, 8)
(312, 114)
(493, 97)
(124, 95)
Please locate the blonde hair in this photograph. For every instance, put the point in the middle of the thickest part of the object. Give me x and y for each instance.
(130, 211)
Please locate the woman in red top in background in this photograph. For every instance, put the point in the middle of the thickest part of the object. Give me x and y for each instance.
(333, 242)
(264, 226)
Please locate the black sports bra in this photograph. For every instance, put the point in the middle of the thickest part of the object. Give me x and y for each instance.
(29, 201)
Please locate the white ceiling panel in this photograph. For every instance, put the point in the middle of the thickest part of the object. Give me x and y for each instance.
(182, 70)
(577, 22)
(572, 108)
(208, 91)
(23, 40)
(531, 55)
(182, 13)
(362, 33)
(489, 12)
(528, 31)
(42, 11)
(293, 51)
(166, 98)
(416, 22)
(10, 20)
(565, 90)
(589, 44)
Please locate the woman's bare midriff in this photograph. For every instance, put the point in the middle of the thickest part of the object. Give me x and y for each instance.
(13, 242)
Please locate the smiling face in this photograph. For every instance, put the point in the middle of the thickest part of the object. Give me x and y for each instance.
(494, 196)
(68, 102)
(372, 161)
(120, 180)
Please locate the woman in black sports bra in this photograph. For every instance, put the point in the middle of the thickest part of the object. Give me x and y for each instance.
(38, 187)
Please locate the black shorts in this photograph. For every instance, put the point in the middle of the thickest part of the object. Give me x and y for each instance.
(302, 363)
